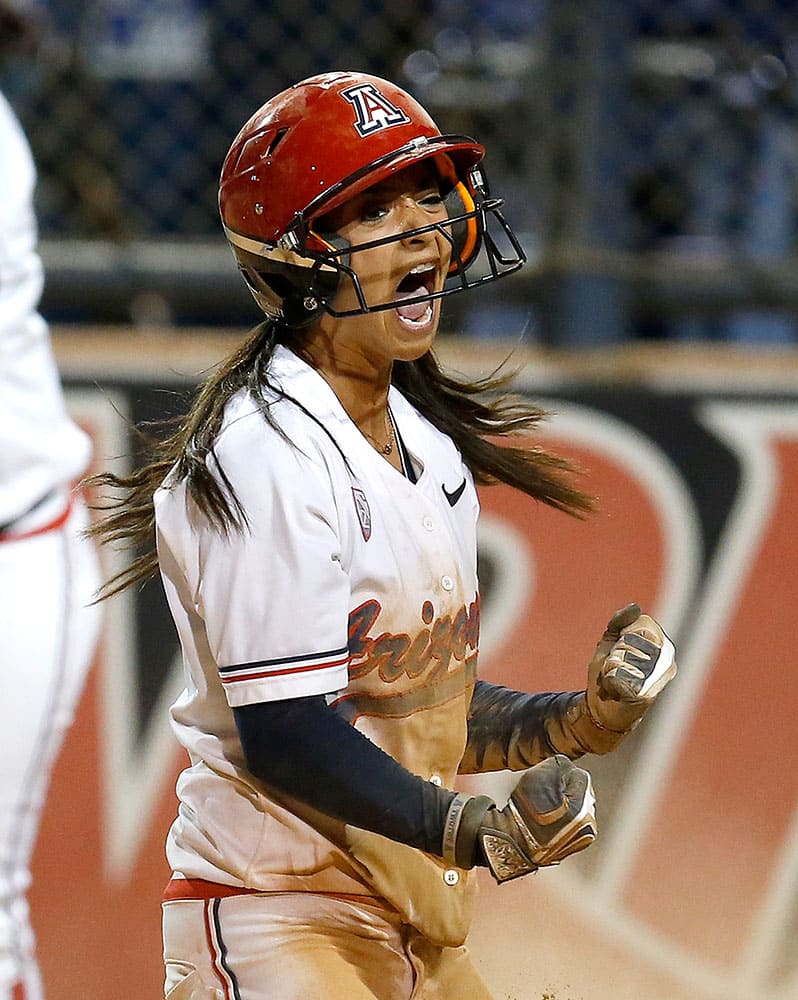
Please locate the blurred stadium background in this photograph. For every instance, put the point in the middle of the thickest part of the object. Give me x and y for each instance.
(648, 154)
(646, 148)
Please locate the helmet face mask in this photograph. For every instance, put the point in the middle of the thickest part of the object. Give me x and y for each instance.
(312, 149)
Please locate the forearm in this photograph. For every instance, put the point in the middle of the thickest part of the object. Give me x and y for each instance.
(302, 748)
(510, 730)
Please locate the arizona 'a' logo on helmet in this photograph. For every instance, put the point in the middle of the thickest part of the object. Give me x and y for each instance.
(374, 110)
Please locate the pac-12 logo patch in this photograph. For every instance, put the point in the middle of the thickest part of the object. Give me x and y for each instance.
(374, 110)
(363, 512)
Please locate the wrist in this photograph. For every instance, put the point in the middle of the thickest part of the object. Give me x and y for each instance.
(593, 734)
(460, 844)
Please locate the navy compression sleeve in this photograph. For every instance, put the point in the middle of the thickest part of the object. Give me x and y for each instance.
(302, 747)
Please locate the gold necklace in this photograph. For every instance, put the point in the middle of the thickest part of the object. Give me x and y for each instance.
(387, 448)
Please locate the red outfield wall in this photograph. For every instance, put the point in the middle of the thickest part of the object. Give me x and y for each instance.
(690, 891)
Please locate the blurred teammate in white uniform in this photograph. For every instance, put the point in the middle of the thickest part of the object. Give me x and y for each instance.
(316, 533)
(48, 572)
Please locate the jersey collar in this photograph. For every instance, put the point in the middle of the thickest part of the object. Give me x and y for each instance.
(301, 381)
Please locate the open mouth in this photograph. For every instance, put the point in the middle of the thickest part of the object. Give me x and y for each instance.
(419, 281)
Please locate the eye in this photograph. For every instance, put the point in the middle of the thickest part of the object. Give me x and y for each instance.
(374, 212)
(431, 200)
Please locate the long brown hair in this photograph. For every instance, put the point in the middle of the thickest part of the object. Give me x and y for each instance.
(473, 414)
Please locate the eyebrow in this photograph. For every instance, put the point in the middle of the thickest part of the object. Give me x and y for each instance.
(380, 192)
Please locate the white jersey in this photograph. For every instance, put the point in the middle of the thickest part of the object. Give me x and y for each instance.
(350, 581)
(41, 448)
(49, 571)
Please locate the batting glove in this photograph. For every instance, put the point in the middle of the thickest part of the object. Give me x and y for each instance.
(550, 815)
(632, 663)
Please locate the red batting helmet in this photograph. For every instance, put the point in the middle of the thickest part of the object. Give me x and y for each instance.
(312, 148)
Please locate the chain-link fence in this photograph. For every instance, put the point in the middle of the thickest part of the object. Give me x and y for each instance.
(647, 149)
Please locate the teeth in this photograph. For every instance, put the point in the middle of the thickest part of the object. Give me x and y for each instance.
(421, 321)
(423, 268)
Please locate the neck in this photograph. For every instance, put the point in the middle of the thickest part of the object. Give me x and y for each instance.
(361, 387)
(361, 382)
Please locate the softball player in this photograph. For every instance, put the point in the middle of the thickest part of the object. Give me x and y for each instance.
(48, 571)
(316, 535)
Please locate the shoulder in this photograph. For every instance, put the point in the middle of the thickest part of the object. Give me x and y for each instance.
(273, 426)
(271, 447)
(13, 137)
(17, 179)
(16, 163)
(294, 414)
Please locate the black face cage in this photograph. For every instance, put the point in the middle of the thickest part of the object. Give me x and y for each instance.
(497, 253)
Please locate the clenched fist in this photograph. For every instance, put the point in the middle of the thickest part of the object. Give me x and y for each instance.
(550, 815)
(632, 663)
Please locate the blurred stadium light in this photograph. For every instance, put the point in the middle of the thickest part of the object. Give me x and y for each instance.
(646, 148)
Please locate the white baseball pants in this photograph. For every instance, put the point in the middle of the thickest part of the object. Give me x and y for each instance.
(47, 638)
(305, 946)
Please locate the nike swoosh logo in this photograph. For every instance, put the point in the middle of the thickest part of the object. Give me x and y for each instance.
(455, 495)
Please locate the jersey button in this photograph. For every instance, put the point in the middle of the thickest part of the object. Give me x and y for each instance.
(428, 523)
(451, 877)
(436, 779)
(447, 583)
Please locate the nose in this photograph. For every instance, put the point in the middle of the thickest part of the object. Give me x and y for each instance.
(412, 216)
